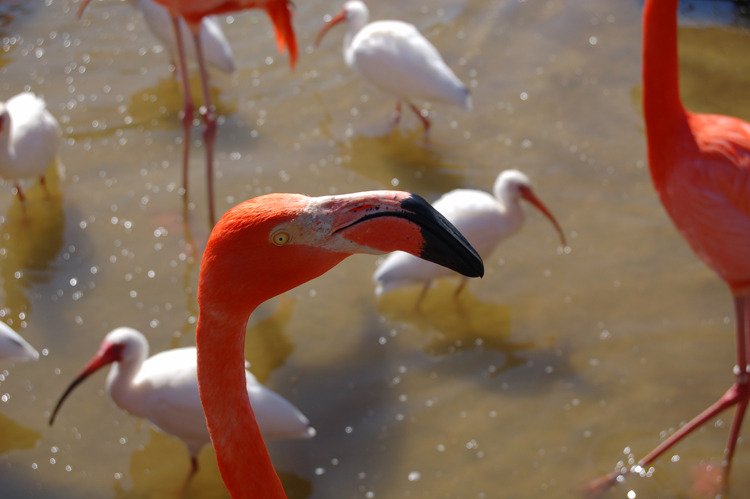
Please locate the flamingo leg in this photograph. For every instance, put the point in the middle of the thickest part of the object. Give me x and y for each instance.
(738, 394)
(209, 118)
(422, 295)
(397, 113)
(20, 193)
(459, 288)
(43, 181)
(188, 106)
(424, 119)
(743, 377)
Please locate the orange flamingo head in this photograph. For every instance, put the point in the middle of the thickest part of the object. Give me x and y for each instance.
(284, 240)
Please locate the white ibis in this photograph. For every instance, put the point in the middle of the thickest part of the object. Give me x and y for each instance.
(29, 139)
(485, 219)
(395, 57)
(164, 390)
(13, 347)
(216, 50)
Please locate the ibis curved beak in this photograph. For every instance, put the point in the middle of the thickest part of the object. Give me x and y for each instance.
(528, 195)
(341, 16)
(105, 356)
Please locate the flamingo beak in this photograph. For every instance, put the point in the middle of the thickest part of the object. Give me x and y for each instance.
(387, 221)
(341, 16)
(528, 195)
(105, 356)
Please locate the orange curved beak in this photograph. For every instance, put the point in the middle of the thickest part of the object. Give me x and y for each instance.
(105, 356)
(528, 195)
(341, 16)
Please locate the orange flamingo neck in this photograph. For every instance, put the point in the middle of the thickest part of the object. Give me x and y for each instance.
(666, 120)
(239, 271)
(241, 453)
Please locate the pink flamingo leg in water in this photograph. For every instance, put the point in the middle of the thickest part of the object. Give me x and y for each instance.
(425, 121)
(20, 193)
(188, 106)
(738, 394)
(209, 118)
(397, 113)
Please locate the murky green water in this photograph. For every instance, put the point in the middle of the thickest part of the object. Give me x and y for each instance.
(532, 383)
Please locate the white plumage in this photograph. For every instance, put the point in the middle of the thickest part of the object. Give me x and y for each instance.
(484, 219)
(164, 390)
(216, 49)
(13, 347)
(29, 138)
(395, 57)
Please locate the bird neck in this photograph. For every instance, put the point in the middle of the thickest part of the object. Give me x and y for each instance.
(7, 151)
(665, 117)
(120, 386)
(242, 456)
(356, 21)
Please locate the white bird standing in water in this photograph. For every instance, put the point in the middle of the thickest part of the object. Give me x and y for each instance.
(13, 347)
(216, 49)
(484, 219)
(164, 390)
(29, 139)
(395, 57)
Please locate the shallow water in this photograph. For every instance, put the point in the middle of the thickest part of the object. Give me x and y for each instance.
(542, 376)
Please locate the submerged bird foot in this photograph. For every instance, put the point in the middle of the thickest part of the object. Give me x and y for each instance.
(596, 488)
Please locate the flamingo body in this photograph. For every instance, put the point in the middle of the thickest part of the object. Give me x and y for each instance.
(29, 137)
(484, 219)
(13, 347)
(395, 57)
(297, 238)
(193, 11)
(163, 389)
(216, 49)
(704, 185)
(700, 167)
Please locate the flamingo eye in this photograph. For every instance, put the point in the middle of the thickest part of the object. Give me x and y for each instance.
(280, 238)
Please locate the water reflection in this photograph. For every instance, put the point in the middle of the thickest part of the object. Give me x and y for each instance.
(267, 346)
(159, 469)
(159, 106)
(30, 240)
(14, 436)
(457, 323)
(399, 159)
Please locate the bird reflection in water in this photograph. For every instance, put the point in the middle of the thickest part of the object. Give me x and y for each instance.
(457, 323)
(397, 160)
(159, 106)
(13, 436)
(267, 345)
(155, 473)
(31, 238)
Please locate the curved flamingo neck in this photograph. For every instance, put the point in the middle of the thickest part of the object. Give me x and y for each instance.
(242, 456)
(666, 120)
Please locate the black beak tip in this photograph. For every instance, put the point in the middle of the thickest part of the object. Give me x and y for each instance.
(444, 244)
